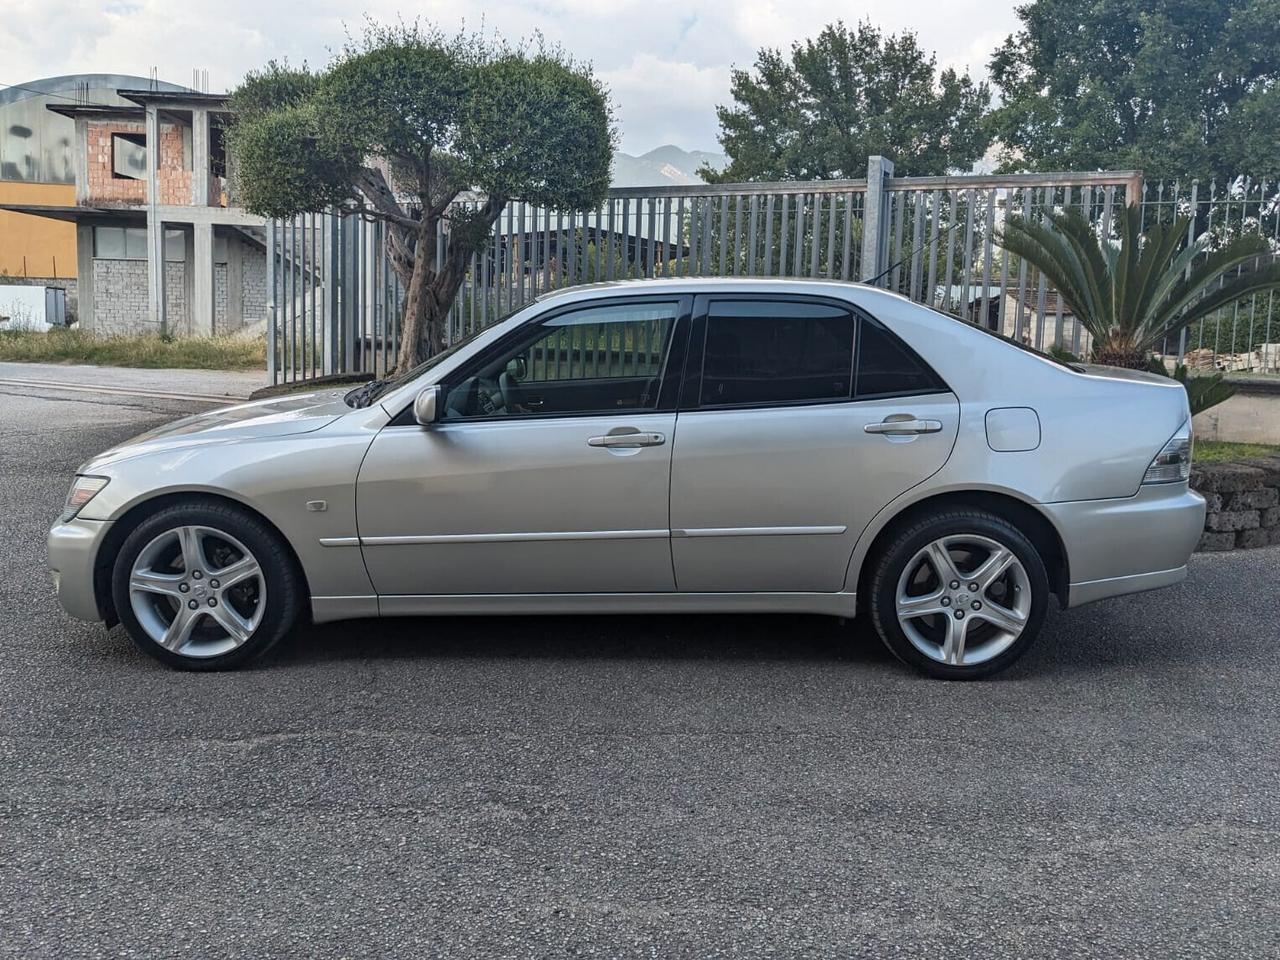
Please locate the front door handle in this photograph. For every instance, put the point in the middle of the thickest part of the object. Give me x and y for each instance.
(904, 426)
(628, 440)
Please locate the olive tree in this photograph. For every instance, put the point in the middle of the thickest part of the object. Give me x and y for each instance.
(404, 124)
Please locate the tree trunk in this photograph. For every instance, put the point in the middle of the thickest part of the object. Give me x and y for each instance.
(1120, 355)
(431, 293)
(413, 343)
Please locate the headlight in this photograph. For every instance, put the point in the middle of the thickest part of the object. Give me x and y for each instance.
(1173, 463)
(83, 490)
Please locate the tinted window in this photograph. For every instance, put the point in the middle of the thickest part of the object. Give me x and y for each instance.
(776, 352)
(606, 359)
(886, 366)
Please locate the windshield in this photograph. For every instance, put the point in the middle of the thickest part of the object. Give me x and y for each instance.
(366, 393)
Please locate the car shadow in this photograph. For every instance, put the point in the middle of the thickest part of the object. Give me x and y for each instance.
(605, 637)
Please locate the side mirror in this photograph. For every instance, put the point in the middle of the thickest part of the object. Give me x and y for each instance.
(427, 405)
(518, 368)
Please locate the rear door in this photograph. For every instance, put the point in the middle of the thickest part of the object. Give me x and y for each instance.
(800, 419)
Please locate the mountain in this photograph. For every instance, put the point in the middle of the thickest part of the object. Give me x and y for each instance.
(662, 167)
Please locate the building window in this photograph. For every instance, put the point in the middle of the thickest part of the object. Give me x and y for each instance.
(129, 156)
(130, 243)
(217, 148)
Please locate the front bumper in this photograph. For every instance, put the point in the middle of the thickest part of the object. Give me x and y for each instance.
(73, 551)
(1131, 544)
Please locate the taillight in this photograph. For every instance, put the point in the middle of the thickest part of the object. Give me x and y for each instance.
(1173, 463)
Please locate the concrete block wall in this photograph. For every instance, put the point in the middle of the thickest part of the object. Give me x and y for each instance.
(1243, 503)
(220, 298)
(254, 281)
(120, 299)
(1251, 416)
(175, 298)
(120, 304)
(250, 298)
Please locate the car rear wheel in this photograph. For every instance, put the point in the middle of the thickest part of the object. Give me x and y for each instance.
(205, 586)
(959, 594)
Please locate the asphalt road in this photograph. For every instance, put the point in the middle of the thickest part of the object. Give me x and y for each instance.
(657, 787)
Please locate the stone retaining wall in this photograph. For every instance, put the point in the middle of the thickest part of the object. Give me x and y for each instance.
(1243, 502)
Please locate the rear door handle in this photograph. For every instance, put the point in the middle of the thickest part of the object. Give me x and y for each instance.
(904, 426)
(628, 440)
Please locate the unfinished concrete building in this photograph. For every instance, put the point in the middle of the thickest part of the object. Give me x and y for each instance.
(160, 245)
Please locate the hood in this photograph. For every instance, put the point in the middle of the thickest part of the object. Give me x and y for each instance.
(277, 417)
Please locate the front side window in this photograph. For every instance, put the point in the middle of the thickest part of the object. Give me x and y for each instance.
(766, 352)
(605, 359)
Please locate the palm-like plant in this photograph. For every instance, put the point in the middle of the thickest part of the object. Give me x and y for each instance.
(1132, 294)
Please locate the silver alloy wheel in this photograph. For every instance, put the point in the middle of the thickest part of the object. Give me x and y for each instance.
(197, 591)
(963, 599)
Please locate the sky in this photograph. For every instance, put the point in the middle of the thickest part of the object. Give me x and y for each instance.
(666, 63)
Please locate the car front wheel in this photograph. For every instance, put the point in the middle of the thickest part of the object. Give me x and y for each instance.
(205, 586)
(959, 594)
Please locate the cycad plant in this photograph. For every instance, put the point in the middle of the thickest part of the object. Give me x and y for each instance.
(1151, 284)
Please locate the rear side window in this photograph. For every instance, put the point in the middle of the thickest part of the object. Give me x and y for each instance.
(887, 367)
(762, 352)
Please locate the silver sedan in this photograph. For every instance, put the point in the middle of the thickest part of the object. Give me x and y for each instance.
(663, 446)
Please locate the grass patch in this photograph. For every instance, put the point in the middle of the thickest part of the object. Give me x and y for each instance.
(1220, 451)
(75, 346)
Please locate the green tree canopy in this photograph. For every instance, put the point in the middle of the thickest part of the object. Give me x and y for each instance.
(403, 125)
(1173, 87)
(820, 111)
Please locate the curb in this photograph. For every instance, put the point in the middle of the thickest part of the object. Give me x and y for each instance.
(223, 400)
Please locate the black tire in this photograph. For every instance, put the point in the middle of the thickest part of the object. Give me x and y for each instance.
(906, 544)
(279, 575)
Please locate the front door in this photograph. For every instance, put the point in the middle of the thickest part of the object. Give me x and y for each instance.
(786, 447)
(550, 470)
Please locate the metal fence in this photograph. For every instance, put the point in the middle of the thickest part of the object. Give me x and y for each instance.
(1244, 337)
(335, 301)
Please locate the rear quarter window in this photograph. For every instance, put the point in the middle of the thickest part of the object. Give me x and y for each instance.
(887, 367)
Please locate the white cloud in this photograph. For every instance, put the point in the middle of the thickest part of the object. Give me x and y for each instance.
(667, 62)
(667, 101)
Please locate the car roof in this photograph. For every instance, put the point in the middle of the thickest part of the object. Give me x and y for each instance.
(860, 293)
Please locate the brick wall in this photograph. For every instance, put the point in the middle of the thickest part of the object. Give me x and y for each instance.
(173, 179)
(1243, 503)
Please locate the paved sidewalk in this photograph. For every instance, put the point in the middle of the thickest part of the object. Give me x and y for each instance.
(228, 383)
